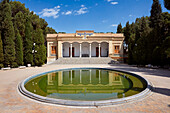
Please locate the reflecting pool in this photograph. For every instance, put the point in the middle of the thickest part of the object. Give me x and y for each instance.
(86, 84)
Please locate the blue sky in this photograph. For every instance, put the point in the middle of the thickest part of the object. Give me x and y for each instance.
(98, 15)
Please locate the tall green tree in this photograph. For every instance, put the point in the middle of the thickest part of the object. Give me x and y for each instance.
(19, 23)
(167, 4)
(28, 43)
(119, 28)
(19, 49)
(1, 52)
(8, 35)
(156, 17)
(127, 32)
(40, 50)
(50, 30)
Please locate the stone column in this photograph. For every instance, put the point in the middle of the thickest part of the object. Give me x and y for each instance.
(80, 50)
(99, 77)
(71, 77)
(90, 50)
(90, 76)
(61, 49)
(99, 50)
(80, 76)
(71, 50)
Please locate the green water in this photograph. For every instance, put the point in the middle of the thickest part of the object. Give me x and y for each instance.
(86, 84)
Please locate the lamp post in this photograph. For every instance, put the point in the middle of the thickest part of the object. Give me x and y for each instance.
(34, 51)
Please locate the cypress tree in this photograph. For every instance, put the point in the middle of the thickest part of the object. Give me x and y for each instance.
(1, 52)
(28, 44)
(119, 28)
(156, 24)
(40, 55)
(19, 28)
(167, 4)
(127, 32)
(8, 35)
(19, 49)
(156, 17)
(19, 23)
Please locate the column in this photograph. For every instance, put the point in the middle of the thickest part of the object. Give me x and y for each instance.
(80, 76)
(90, 50)
(61, 49)
(71, 77)
(90, 76)
(80, 50)
(71, 50)
(99, 77)
(99, 50)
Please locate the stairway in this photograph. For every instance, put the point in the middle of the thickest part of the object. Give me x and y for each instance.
(102, 60)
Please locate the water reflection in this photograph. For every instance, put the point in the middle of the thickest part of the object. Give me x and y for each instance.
(86, 81)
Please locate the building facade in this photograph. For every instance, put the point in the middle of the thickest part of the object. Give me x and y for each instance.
(85, 43)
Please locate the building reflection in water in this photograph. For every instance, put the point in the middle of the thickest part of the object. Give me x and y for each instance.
(86, 81)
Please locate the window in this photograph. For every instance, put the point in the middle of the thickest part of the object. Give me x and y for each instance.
(53, 49)
(116, 49)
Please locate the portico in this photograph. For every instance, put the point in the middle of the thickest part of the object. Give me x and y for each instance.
(84, 44)
(85, 49)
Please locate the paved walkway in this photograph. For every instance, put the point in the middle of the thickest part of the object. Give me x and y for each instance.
(12, 101)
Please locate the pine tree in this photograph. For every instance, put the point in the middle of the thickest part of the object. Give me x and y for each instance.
(119, 28)
(28, 44)
(8, 35)
(1, 52)
(19, 49)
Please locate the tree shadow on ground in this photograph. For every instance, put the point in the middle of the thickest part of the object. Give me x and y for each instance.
(146, 71)
(163, 91)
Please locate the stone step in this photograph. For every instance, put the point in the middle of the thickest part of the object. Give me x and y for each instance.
(104, 60)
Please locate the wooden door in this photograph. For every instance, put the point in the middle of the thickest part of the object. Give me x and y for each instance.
(116, 49)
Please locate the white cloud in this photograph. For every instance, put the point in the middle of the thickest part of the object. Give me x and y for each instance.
(52, 12)
(114, 25)
(130, 15)
(67, 13)
(82, 6)
(82, 10)
(114, 3)
(109, 0)
(104, 21)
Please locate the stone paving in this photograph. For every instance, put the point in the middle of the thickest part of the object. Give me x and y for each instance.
(12, 101)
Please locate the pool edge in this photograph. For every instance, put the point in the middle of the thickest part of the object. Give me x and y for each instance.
(135, 97)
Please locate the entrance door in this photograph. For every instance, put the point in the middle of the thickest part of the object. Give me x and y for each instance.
(72, 52)
(97, 51)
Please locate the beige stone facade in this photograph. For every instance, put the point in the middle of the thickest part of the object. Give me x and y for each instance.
(84, 44)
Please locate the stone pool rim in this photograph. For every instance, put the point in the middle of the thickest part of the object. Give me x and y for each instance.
(146, 92)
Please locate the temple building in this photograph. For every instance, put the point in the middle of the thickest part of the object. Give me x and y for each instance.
(85, 43)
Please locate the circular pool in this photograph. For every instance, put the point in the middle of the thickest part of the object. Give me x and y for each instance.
(85, 87)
